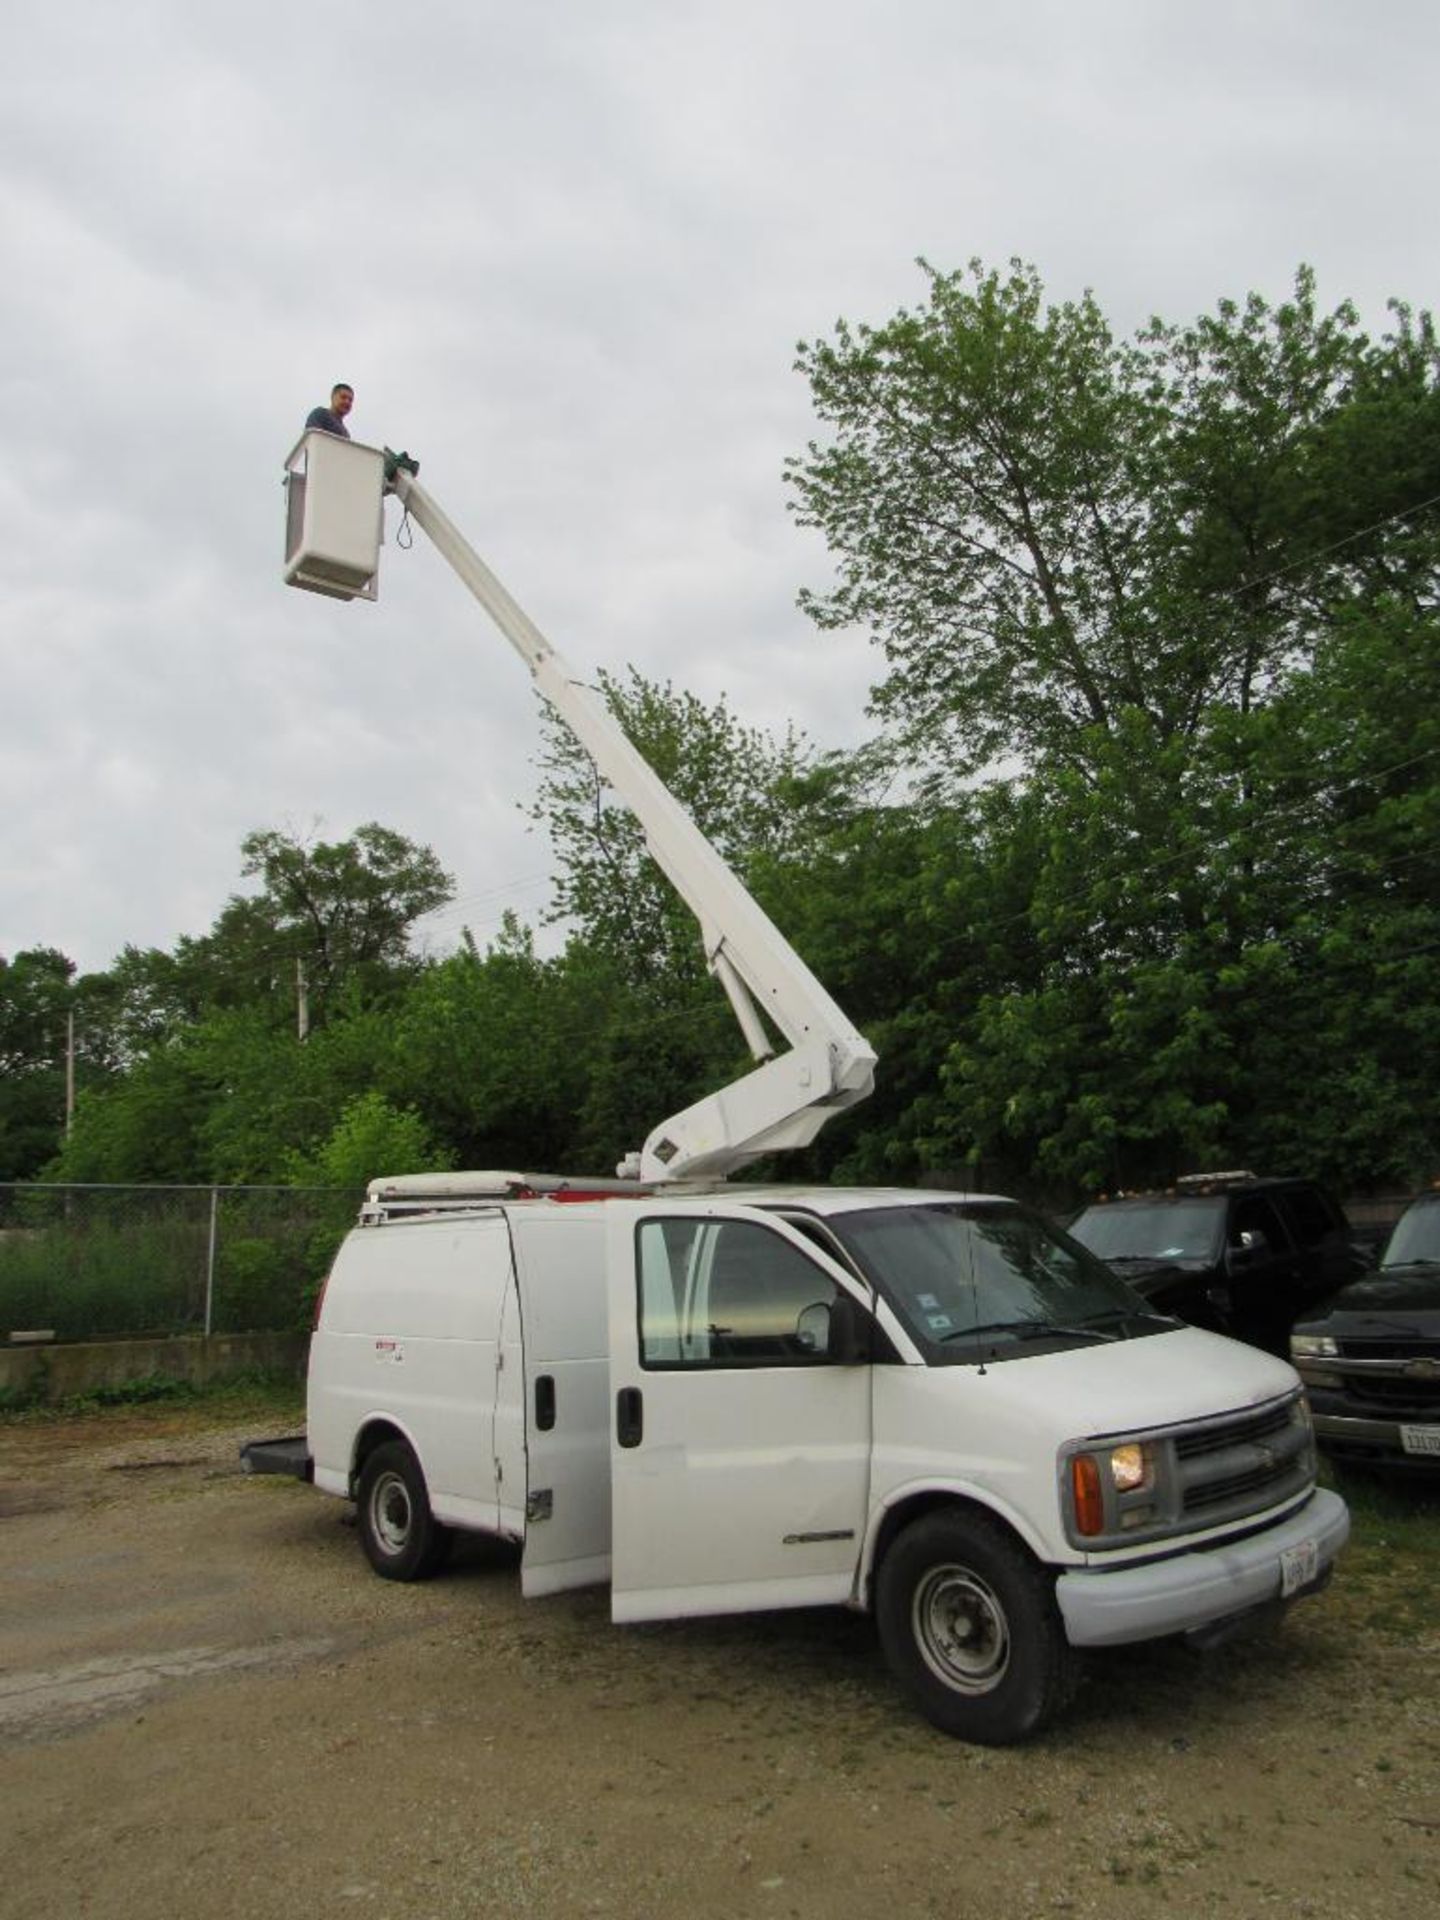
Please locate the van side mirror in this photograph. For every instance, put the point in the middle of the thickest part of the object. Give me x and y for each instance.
(851, 1332)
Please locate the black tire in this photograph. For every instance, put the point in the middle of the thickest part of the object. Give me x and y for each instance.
(970, 1627)
(402, 1538)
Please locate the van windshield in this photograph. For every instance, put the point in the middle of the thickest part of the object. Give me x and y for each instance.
(984, 1280)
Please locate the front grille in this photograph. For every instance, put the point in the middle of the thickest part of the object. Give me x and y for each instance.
(1232, 1467)
(1411, 1349)
(1393, 1393)
(1216, 1437)
(1235, 1486)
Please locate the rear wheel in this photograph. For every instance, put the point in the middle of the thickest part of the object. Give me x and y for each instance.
(402, 1538)
(970, 1627)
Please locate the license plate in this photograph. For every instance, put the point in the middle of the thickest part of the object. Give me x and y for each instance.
(1420, 1439)
(1299, 1565)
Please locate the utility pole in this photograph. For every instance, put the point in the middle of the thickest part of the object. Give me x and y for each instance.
(69, 1071)
(302, 1002)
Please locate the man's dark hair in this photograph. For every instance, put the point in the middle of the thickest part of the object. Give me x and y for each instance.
(342, 386)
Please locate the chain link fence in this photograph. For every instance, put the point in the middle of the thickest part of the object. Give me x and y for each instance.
(97, 1262)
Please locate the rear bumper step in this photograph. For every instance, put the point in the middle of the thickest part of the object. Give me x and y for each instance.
(289, 1456)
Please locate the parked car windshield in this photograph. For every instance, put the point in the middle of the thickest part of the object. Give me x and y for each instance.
(1168, 1230)
(1416, 1239)
(965, 1275)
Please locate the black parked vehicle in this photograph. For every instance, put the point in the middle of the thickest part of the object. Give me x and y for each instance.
(1371, 1360)
(1227, 1251)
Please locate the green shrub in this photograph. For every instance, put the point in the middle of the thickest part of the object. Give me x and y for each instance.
(100, 1264)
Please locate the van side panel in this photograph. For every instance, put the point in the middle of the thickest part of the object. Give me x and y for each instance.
(560, 1260)
(409, 1334)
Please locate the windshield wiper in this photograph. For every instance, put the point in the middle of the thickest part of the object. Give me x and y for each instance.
(1135, 1313)
(1025, 1330)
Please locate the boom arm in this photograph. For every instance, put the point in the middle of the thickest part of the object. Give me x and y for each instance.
(786, 1100)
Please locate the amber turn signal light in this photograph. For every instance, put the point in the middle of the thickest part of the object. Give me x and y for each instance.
(1088, 1493)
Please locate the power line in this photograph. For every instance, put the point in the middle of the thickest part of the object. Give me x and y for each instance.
(1321, 553)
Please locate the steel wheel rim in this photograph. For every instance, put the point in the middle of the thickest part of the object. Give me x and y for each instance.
(961, 1629)
(390, 1512)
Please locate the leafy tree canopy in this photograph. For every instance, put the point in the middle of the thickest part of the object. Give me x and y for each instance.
(370, 1139)
(333, 915)
(727, 777)
(1047, 529)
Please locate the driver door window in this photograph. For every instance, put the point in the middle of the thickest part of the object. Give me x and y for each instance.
(1254, 1217)
(729, 1293)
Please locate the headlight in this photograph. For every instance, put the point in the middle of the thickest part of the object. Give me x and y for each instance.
(1314, 1346)
(1129, 1470)
(1131, 1467)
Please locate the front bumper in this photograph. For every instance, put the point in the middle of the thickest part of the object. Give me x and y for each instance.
(1382, 1442)
(1186, 1592)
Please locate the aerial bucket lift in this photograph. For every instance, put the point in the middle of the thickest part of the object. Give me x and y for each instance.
(333, 547)
(334, 515)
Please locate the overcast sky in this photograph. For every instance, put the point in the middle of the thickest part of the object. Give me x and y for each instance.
(564, 252)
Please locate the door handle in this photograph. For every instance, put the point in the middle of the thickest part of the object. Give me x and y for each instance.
(629, 1417)
(544, 1402)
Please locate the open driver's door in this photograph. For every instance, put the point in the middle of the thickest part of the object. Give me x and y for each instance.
(739, 1448)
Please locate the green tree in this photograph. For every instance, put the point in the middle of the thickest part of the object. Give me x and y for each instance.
(199, 1070)
(145, 999)
(371, 1138)
(1170, 594)
(36, 997)
(145, 1125)
(330, 917)
(724, 774)
(1048, 530)
(1349, 841)
(494, 1050)
(980, 498)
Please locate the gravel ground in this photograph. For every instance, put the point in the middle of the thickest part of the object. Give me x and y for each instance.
(209, 1705)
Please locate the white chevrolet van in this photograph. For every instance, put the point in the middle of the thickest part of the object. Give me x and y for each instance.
(928, 1405)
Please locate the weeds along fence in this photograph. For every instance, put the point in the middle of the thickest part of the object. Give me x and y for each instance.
(97, 1262)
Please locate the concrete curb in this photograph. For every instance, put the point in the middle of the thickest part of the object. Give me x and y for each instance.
(59, 1372)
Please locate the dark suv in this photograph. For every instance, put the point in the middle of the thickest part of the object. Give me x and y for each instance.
(1371, 1360)
(1227, 1251)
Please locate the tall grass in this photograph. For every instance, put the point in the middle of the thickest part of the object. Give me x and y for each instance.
(101, 1263)
(87, 1280)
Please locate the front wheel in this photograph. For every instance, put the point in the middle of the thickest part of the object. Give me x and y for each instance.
(402, 1538)
(970, 1627)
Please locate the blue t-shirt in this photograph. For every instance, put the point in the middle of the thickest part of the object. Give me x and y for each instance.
(327, 421)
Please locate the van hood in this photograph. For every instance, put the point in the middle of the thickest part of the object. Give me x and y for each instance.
(1163, 1381)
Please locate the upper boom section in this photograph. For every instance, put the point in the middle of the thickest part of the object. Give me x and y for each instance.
(830, 1065)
